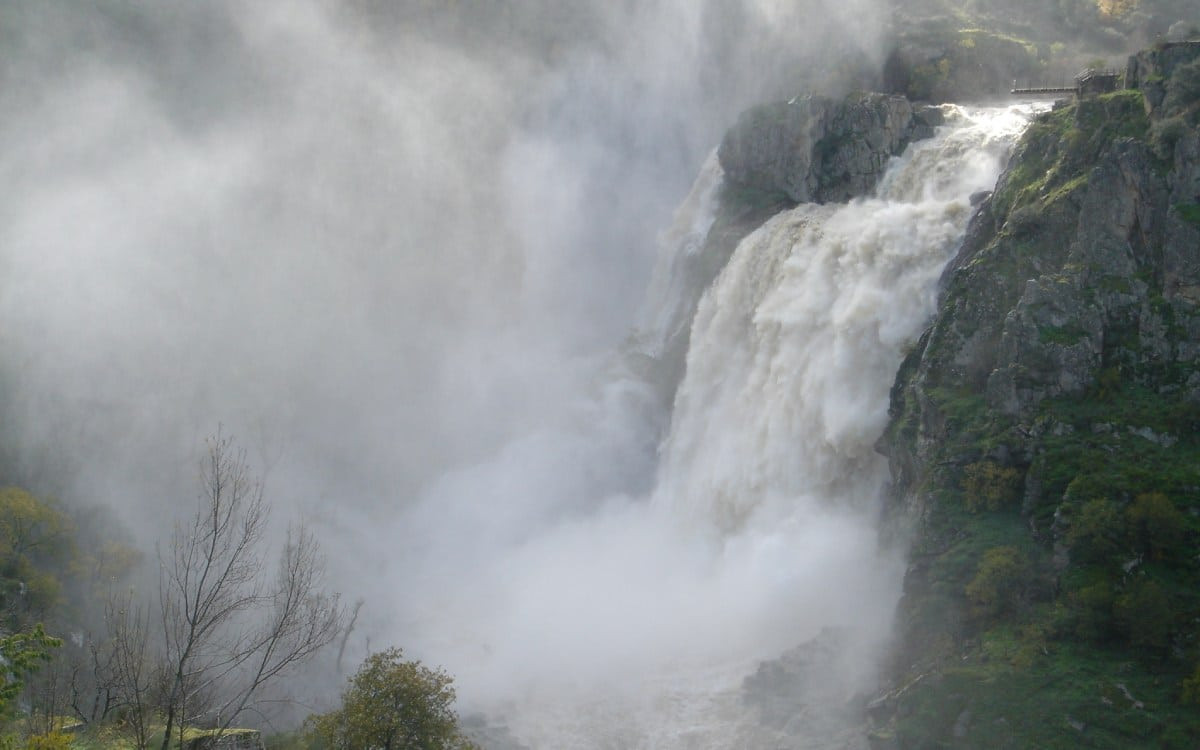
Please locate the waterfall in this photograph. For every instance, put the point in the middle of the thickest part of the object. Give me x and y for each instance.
(587, 612)
(796, 344)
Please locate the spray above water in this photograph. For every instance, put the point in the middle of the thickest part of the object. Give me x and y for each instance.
(631, 620)
(390, 245)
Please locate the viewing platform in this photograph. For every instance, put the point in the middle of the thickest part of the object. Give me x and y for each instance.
(1090, 81)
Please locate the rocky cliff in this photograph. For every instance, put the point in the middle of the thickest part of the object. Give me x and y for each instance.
(814, 149)
(1045, 443)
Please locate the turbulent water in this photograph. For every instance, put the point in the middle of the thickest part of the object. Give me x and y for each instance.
(633, 621)
(795, 346)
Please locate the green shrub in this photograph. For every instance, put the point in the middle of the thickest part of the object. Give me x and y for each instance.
(395, 704)
(1097, 532)
(1183, 89)
(1165, 133)
(1092, 611)
(1145, 617)
(1156, 524)
(990, 486)
(1000, 580)
(1189, 212)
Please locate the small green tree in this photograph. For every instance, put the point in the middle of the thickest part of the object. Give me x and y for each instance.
(999, 580)
(1145, 616)
(393, 704)
(1092, 611)
(22, 654)
(1096, 533)
(35, 545)
(990, 486)
(1156, 523)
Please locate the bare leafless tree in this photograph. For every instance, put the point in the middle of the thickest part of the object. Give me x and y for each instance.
(228, 627)
(136, 680)
(93, 683)
(347, 630)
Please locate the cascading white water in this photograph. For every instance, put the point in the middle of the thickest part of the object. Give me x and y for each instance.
(631, 621)
(771, 459)
(795, 346)
(667, 310)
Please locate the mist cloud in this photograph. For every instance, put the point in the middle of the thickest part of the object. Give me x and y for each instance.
(391, 247)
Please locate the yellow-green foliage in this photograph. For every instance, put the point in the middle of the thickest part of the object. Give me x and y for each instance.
(27, 524)
(999, 580)
(34, 536)
(1019, 647)
(990, 486)
(49, 741)
(1034, 640)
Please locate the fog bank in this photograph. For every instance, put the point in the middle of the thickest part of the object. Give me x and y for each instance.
(392, 248)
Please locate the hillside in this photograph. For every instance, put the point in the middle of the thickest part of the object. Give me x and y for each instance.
(943, 50)
(1044, 443)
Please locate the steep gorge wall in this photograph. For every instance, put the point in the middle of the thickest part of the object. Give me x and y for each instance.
(1045, 444)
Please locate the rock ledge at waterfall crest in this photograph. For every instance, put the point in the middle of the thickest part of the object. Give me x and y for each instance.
(815, 149)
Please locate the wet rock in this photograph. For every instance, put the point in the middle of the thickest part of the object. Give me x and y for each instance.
(818, 150)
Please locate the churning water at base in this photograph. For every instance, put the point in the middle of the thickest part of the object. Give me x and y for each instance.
(633, 619)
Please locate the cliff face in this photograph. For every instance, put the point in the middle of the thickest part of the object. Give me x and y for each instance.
(819, 150)
(1045, 443)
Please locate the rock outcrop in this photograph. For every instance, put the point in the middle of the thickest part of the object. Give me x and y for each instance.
(818, 150)
(1151, 71)
(1052, 408)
